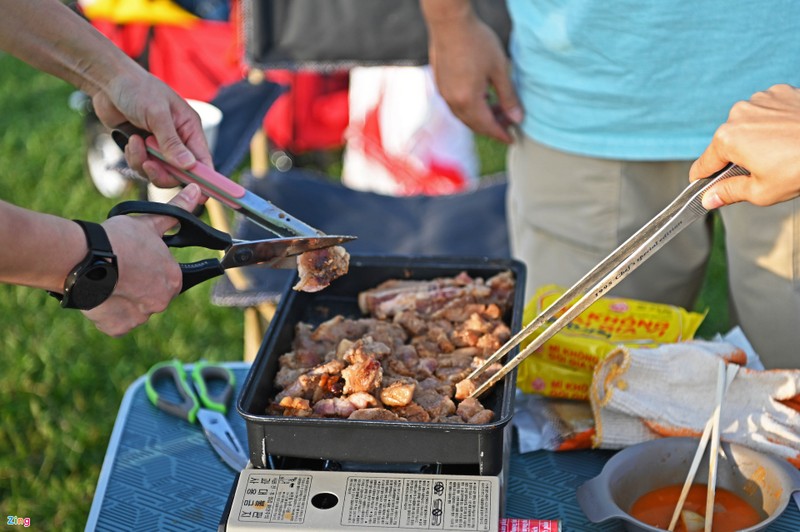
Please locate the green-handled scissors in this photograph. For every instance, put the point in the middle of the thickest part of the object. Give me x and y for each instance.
(198, 403)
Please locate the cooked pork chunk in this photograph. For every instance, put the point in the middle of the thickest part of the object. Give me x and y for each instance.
(405, 362)
(398, 393)
(363, 375)
(319, 267)
(380, 414)
(473, 412)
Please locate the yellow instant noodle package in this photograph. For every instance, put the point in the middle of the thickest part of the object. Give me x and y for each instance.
(563, 366)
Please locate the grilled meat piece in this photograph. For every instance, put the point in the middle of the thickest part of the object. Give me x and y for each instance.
(318, 268)
(295, 406)
(380, 414)
(364, 373)
(407, 361)
(436, 404)
(473, 412)
(464, 389)
(398, 393)
(413, 412)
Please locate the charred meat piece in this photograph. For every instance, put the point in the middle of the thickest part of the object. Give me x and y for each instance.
(473, 412)
(364, 373)
(399, 393)
(319, 267)
(380, 414)
(413, 412)
(295, 406)
(465, 388)
(406, 361)
(436, 404)
(334, 407)
(361, 400)
(308, 384)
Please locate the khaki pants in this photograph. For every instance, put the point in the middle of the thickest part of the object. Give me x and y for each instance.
(568, 212)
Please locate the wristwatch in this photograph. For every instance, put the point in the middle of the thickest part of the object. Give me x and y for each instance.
(93, 280)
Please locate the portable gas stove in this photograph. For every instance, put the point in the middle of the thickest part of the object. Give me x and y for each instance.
(322, 495)
(344, 474)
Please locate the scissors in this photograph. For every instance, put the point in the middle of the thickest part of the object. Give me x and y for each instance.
(198, 403)
(273, 252)
(686, 208)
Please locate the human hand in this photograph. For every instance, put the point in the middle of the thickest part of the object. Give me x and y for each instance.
(149, 276)
(468, 61)
(760, 135)
(148, 103)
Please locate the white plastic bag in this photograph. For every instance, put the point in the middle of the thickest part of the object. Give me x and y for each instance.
(402, 138)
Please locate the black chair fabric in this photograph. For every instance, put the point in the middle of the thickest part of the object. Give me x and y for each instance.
(470, 224)
(319, 34)
(243, 105)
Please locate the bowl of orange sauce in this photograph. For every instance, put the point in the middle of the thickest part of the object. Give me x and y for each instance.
(640, 486)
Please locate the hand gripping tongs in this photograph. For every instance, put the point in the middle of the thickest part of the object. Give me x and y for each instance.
(678, 215)
(219, 187)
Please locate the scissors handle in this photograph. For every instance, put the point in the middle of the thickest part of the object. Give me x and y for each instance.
(203, 374)
(192, 232)
(172, 369)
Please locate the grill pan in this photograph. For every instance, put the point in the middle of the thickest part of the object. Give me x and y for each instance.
(373, 441)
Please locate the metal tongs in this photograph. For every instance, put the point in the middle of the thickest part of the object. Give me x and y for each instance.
(631, 254)
(219, 187)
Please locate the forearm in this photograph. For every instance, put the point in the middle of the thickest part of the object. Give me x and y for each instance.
(51, 37)
(442, 16)
(39, 250)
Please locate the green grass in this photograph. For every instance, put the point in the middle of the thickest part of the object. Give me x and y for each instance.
(62, 380)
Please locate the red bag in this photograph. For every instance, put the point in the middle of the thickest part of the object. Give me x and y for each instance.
(194, 59)
(312, 115)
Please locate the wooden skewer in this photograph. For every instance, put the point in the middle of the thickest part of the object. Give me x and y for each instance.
(713, 457)
(724, 379)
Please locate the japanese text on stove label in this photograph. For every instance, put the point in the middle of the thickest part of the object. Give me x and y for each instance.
(424, 504)
(275, 498)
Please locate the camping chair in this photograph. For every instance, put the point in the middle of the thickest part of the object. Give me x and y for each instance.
(335, 34)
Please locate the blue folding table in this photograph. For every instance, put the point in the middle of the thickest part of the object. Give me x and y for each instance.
(160, 473)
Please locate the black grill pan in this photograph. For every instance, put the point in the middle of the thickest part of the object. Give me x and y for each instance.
(376, 442)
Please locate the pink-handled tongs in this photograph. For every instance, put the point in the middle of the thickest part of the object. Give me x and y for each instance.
(217, 186)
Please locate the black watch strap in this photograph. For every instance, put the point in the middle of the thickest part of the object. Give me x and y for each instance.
(93, 280)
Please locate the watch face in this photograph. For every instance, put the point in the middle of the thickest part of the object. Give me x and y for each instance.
(92, 285)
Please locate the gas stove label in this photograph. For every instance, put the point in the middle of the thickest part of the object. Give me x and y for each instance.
(275, 498)
(421, 504)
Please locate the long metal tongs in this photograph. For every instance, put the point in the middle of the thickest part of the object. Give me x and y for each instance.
(678, 215)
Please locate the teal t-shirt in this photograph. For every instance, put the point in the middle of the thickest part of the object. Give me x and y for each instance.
(646, 79)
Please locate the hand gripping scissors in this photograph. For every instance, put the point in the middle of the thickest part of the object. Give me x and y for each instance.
(272, 252)
(198, 403)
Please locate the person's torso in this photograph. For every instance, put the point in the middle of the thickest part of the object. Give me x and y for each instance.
(646, 80)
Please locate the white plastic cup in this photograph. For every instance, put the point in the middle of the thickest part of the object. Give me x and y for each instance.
(210, 117)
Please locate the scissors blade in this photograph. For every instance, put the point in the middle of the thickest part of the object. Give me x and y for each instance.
(272, 252)
(222, 438)
(676, 217)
